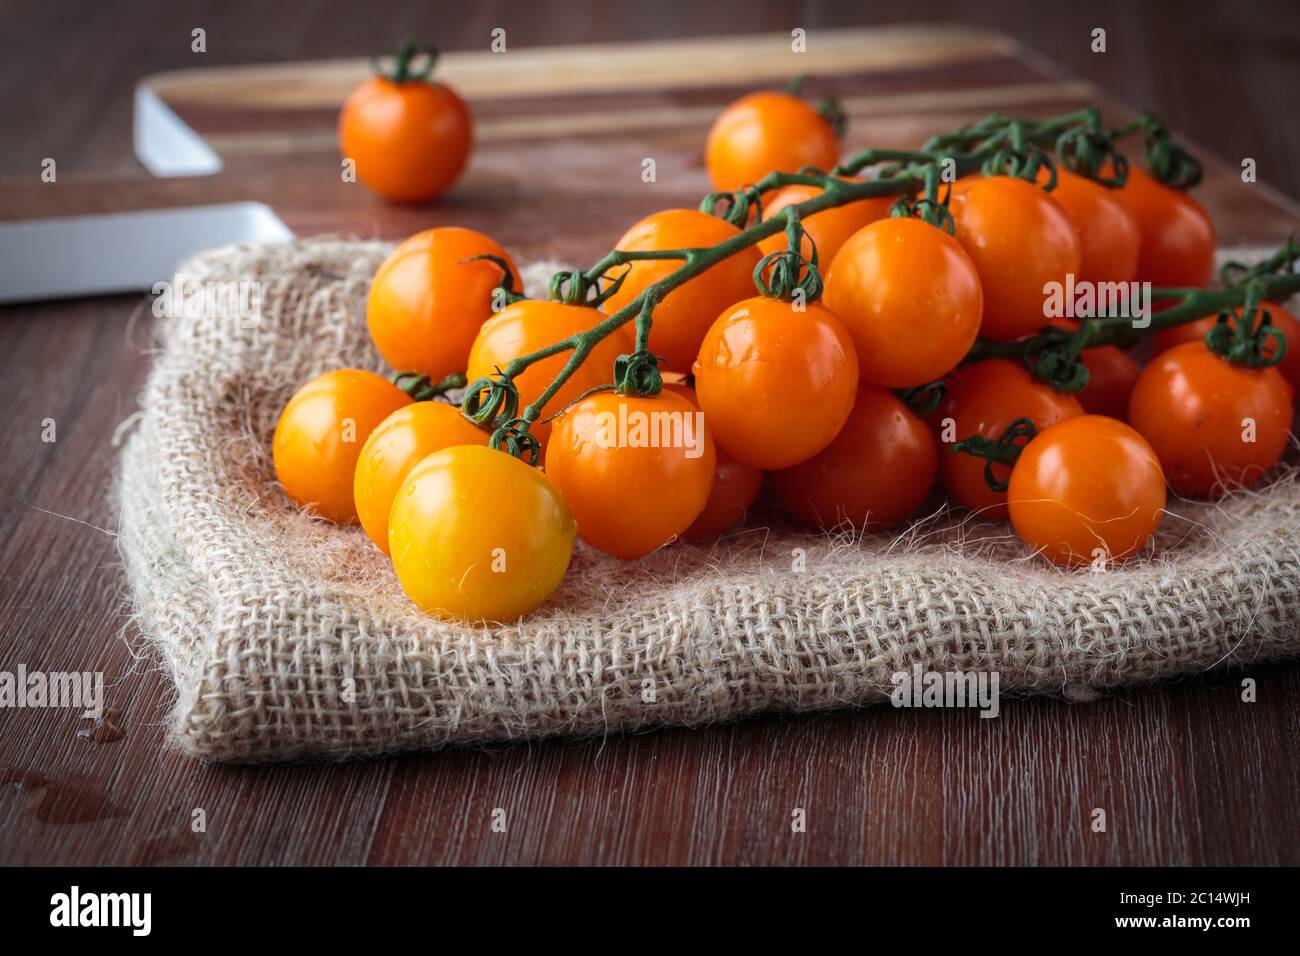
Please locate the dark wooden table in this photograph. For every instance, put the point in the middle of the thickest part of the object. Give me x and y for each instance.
(1187, 773)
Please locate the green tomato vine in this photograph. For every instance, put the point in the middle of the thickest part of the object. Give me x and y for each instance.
(997, 144)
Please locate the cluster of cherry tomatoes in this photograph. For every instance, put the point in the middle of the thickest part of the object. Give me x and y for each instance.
(795, 397)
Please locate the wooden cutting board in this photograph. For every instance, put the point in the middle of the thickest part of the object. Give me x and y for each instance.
(562, 132)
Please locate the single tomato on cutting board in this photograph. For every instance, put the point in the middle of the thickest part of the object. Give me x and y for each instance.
(409, 136)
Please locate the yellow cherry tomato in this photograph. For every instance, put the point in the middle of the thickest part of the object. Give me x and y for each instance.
(320, 434)
(478, 535)
(403, 438)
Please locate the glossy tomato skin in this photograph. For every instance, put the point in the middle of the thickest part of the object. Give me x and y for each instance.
(735, 486)
(686, 313)
(525, 327)
(1177, 234)
(875, 474)
(478, 535)
(767, 132)
(1087, 489)
(1282, 319)
(320, 435)
(910, 298)
(1020, 239)
(1109, 238)
(1194, 409)
(426, 303)
(776, 384)
(984, 398)
(409, 434)
(629, 496)
(828, 229)
(410, 140)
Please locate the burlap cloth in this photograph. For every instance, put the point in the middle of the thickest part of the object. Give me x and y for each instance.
(289, 637)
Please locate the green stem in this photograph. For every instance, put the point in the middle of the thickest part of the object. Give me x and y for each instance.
(1193, 304)
(421, 388)
(836, 192)
(404, 63)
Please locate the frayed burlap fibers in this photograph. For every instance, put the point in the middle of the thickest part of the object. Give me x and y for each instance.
(289, 637)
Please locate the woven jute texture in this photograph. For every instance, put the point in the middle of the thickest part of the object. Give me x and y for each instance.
(288, 637)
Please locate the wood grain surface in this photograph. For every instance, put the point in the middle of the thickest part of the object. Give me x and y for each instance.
(1187, 773)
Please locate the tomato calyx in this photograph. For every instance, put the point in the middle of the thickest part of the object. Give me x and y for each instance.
(1017, 156)
(1003, 450)
(575, 287)
(1090, 154)
(514, 438)
(490, 399)
(1246, 336)
(736, 206)
(421, 388)
(923, 400)
(792, 275)
(1242, 337)
(1054, 357)
(1166, 159)
(930, 207)
(637, 375)
(412, 63)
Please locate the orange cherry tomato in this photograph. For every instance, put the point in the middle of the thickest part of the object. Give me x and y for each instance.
(1086, 490)
(776, 384)
(1108, 233)
(1177, 247)
(830, 228)
(397, 443)
(1283, 320)
(735, 489)
(427, 302)
(1020, 239)
(410, 140)
(910, 298)
(767, 132)
(1214, 425)
(983, 398)
(735, 485)
(637, 472)
(686, 313)
(320, 435)
(877, 472)
(532, 324)
(1111, 377)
